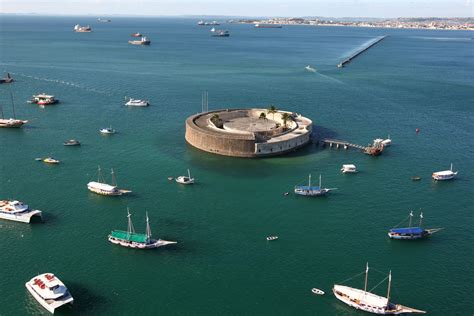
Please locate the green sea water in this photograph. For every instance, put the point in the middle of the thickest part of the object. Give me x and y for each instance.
(222, 264)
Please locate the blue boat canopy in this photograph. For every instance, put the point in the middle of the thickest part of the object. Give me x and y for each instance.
(408, 231)
(305, 187)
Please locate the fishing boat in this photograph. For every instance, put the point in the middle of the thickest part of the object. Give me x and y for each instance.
(410, 233)
(317, 291)
(137, 102)
(184, 179)
(82, 29)
(311, 190)
(375, 149)
(7, 79)
(220, 33)
(102, 188)
(44, 99)
(17, 211)
(137, 34)
(132, 239)
(11, 122)
(310, 69)
(107, 130)
(51, 160)
(445, 175)
(270, 238)
(49, 291)
(102, 20)
(370, 302)
(72, 142)
(143, 41)
(350, 168)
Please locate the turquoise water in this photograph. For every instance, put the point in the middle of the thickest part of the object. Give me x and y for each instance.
(222, 263)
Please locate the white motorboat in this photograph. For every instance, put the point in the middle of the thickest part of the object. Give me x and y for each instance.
(312, 190)
(51, 160)
(82, 29)
(445, 175)
(370, 302)
(317, 291)
(49, 291)
(132, 239)
(102, 188)
(350, 168)
(107, 131)
(270, 238)
(137, 102)
(17, 211)
(310, 69)
(184, 179)
(387, 142)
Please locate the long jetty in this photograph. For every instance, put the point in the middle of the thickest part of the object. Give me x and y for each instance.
(350, 58)
(345, 144)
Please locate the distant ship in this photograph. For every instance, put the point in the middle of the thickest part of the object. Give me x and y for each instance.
(7, 79)
(268, 26)
(103, 20)
(220, 33)
(82, 29)
(143, 41)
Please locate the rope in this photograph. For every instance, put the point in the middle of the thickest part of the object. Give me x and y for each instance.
(404, 220)
(378, 284)
(355, 276)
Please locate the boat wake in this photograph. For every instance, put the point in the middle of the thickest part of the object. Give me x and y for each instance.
(67, 83)
(430, 38)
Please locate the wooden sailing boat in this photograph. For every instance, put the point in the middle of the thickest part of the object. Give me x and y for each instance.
(370, 302)
(410, 232)
(310, 190)
(11, 122)
(132, 239)
(101, 187)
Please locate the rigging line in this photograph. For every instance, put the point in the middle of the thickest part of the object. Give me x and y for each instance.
(381, 272)
(355, 276)
(378, 284)
(404, 220)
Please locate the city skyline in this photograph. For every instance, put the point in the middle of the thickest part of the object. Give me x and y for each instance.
(246, 8)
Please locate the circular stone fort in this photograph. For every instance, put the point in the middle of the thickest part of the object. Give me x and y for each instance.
(248, 132)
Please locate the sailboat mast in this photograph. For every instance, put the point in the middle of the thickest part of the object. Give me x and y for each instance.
(320, 181)
(14, 114)
(1, 111)
(309, 181)
(389, 284)
(99, 174)
(189, 174)
(421, 218)
(366, 275)
(411, 216)
(130, 228)
(114, 181)
(451, 167)
(148, 230)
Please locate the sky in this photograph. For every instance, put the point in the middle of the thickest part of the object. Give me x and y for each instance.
(295, 8)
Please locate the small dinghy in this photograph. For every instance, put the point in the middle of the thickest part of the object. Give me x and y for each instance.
(415, 178)
(270, 238)
(107, 131)
(317, 291)
(170, 178)
(286, 193)
(72, 142)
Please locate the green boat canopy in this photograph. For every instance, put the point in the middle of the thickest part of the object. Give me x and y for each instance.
(120, 234)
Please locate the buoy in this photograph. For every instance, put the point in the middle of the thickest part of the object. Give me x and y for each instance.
(417, 130)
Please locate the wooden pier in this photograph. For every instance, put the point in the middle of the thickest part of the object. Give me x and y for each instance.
(342, 143)
(350, 58)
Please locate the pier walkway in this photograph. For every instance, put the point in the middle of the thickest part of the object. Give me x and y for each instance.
(345, 144)
(350, 58)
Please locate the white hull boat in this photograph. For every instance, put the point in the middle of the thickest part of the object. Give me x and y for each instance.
(102, 188)
(17, 211)
(444, 175)
(349, 169)
(137, 102)
(49, 291)
(311, 190)
(317, 291)
(185, 179)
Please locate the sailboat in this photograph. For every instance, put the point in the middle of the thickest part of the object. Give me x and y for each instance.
(310, 190)
(102, 188)
(132, 239)
(11, 122)
(445, 174)
(184, 179)
(370, 302)
(412, 232)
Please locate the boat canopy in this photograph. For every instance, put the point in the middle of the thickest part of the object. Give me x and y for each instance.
(410, 230)
(120, 234)
(306, 187)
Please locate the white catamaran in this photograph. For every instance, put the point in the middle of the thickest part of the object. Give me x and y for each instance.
(135, 240)
(103, 188)
(370, 302)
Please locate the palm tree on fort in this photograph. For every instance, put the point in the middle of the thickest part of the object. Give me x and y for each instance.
(285, 117)
(272, 110)
(263, 116)
(215, 119)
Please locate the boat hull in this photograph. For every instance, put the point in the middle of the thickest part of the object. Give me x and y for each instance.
(321, 192)
(54, 305)
(23, 217)
(151, 245)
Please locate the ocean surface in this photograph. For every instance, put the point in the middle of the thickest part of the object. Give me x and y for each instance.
(222, 264)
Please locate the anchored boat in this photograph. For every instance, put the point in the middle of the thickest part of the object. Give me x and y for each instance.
(310, 190)
(44, 99)
(350, 168)
(370, 302)
(102, 188)
(49, 291)
(11, 122)
(134, 240)
(184, 179)
(82, 29)
(410, 232)
(143, 41)
(17, 211)
(137, 102)
(7, 79)
(444, 175)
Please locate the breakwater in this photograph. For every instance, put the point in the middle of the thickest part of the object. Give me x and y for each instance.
(357, 53)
